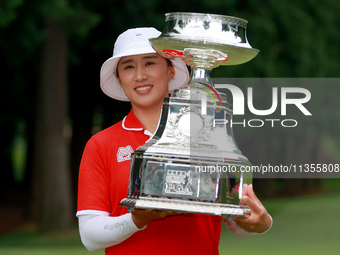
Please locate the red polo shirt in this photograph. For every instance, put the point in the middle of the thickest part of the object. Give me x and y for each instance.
(103, 183)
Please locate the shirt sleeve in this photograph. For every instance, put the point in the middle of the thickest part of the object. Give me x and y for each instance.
(94, 181)
(98, 230)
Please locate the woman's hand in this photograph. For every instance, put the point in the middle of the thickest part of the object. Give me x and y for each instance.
(259, 220)
(142, 217)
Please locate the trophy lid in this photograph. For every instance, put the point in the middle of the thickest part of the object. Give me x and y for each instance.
(214, 38)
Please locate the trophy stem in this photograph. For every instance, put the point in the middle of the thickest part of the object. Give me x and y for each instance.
(199, 75)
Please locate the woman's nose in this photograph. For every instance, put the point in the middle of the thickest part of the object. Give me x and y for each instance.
(140, 74)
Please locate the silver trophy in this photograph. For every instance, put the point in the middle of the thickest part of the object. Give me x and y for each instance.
(192, 163)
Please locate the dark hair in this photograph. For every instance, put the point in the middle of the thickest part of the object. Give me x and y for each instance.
(169, 62)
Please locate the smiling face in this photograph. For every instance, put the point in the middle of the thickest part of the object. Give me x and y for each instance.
(145, 79)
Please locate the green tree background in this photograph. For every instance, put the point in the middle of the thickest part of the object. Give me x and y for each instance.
(296, 39)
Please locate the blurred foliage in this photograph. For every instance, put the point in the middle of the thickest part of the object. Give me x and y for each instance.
(8, 11)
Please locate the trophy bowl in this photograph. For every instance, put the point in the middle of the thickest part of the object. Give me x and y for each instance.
(192, 163)
(223, 35)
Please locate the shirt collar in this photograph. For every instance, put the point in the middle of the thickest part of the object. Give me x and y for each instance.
(131, 123)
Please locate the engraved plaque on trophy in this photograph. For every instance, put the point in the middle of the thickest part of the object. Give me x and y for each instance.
(192, 163)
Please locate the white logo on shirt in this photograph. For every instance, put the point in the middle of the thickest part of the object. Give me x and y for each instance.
(124, 153)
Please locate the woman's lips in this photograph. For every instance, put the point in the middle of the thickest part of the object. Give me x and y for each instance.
(143, 89)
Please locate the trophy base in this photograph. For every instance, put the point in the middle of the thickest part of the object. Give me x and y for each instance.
(185, 206)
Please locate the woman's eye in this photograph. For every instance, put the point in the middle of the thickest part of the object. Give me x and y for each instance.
(128, 67)
(149, 63)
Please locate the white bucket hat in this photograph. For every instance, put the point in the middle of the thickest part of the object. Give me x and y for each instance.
(133, 42)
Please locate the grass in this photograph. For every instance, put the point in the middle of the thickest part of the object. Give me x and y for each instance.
(303, 225)
(28, 241)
